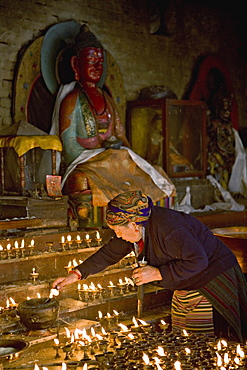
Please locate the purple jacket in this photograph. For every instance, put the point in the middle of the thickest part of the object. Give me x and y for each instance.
(185, 251)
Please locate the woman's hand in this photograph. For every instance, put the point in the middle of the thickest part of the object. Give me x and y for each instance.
(61, 282)
(146, 274)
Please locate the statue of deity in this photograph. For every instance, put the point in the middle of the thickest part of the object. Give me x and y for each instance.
(89, 124)
(221, 140)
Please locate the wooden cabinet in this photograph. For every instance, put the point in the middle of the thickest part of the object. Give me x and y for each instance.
(170, 133)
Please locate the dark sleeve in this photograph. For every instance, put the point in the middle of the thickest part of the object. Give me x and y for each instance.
(187, 258)
(107, 255)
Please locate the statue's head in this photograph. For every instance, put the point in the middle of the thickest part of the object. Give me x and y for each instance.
(87, 63)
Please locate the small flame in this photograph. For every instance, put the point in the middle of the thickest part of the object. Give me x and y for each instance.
(219, 345)
(78, 238)
(32, 242)
(129, 281)
(92, 287)
(111, 283)
(237, 360)
(84, 366)
(123, 327)
(185, 333)
(36, 367)
(115, 313)
(187, 350)
(77, 333)
(144, 323)
(100, 315)
(16, 244)
(22, 243)
(1, 247)
(226, 358)
(8, 247)
(156, 360)
(12, 301)
(72, 339)
(177, 365)
(160, 351)
(135, 322)
(97, 235)
(159, 367)
(74, 262)
(69, 238)
(99, 336)
(38, 295)
(145, 359)
(64, 366)
(87, 236)
(62, 239)
(56, 341)
(103, 331)
(239, 351)
(67, 332)
(219, 359)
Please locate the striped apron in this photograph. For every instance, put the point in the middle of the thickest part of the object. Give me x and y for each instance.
(191, 311)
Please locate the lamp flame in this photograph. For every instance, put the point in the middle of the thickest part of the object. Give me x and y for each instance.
(100, 315)
(145, 359)
(144, 323)
(177, 365)
(123, 327)
(135, 322)
(160, 351)
(67, 332)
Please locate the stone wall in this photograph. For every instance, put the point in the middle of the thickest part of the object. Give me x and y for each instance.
(123, 28)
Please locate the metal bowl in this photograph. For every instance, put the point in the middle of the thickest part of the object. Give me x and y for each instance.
(38, 313)
(235, 232)
(13, 349)
(235, 238)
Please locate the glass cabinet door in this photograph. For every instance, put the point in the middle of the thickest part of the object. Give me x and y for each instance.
(169, 133)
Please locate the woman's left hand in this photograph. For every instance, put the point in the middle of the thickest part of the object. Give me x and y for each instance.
(146, 274)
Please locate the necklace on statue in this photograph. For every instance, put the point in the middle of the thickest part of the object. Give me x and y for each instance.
(98, 111)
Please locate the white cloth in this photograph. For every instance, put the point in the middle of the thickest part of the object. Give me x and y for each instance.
(238, 179)
(229, 205)
(160, 181)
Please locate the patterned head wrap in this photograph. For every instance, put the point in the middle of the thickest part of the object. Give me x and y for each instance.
(133, 206)
(85, 38)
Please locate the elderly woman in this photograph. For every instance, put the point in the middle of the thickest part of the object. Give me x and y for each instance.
(209, 288)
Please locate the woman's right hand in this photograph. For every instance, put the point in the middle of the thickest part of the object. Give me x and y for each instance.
(61, 282)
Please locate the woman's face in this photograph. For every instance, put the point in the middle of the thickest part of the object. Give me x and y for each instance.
(88, 67)
(130, 232)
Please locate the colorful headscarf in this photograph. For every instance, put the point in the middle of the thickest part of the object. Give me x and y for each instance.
(132, 206)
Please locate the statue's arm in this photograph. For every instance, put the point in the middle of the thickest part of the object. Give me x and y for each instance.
(68, 128)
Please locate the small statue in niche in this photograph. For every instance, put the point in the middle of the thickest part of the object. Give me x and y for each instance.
(221, 139)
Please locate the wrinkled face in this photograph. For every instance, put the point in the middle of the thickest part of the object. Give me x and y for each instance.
(89, 65)
(130, 232)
